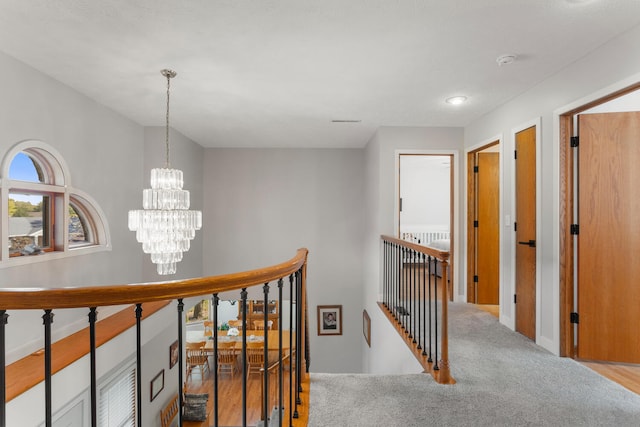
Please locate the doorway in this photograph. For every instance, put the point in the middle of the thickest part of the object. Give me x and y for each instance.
(483, 226)
(599, 237)
(600, 246)
(425, 204)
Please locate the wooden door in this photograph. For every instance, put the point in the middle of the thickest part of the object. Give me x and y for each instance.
(609, 237)
(526, 232)
(488, 228)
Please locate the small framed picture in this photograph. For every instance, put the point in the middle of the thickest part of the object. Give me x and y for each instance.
(366, 327)
(157, 384)
(329, 320)
(173, 354)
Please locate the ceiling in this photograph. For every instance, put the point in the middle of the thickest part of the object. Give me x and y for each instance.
(277, 73)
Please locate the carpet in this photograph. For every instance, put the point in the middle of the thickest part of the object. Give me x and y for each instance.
(503, 379)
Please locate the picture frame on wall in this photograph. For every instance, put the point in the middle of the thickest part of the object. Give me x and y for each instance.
(366, 327)
(157, 384)
(330, 320)
(173, 354)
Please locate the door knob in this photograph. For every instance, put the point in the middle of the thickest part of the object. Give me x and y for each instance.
(530, 243)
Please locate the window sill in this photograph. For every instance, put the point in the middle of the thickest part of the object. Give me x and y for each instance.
(48, 256)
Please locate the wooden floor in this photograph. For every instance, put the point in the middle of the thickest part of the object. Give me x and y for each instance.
(626, 375)
(230, 402)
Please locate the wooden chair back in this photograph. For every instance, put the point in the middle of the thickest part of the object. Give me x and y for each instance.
(208, 328)
(235, 323)
(169, 412)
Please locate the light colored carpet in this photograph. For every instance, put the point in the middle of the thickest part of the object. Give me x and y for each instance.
(503, 379)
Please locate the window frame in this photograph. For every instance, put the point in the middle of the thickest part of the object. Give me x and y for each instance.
(55, 183)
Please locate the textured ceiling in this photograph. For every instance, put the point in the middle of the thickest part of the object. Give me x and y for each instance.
(275, 73)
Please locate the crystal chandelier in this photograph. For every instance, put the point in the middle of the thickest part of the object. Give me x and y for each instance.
(165, 226)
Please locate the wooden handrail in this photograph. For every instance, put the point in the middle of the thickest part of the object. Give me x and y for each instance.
(442, 255)
(98, 296)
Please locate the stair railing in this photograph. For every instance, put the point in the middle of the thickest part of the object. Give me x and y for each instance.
(291, 272)
(416, 298)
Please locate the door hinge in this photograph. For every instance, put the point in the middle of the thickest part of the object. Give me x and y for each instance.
(515, 154)
(515, 226)
(475, 169)
(575, 141)
(575, 229)
(475, 224)
(515, 299)
(400, 204)
(475, 279)
(574, 318)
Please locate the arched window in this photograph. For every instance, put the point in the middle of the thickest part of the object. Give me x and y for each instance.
(42, 214)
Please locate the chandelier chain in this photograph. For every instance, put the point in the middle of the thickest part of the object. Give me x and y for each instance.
(169, 74)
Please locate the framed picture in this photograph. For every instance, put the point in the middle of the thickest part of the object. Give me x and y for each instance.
(366, 327)
(157, 384)
(173, 354)
(329, 320)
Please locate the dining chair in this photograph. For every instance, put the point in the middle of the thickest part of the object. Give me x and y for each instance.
(259, 324)
(255, 357)
(235, 323)
(208, 328)
(197, 357)
(227, 358)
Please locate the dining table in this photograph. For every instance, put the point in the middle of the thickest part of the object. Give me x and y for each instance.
(273, 339)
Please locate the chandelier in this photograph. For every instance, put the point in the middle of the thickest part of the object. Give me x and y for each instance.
(165, 226)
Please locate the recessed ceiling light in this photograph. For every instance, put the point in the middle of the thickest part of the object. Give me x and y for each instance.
(506, 59)
(456, 100)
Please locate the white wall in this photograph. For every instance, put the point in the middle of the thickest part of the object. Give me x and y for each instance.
(611, 67)
(261, 205)
(386, 354)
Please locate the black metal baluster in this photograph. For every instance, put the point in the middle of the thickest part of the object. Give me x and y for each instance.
(93, 317)
(47, 319)
(410, 281)
(435, 308)
(298, 340)
(386, 273)
(4, 319)
(216, 301)
(429, 261)
(243, 301)
(180, 360)
(424, 305)
(291, 350)
(139, 362)
(419, 300)
(398, 281)
(414, 311)
(265, 395)
(280, 367)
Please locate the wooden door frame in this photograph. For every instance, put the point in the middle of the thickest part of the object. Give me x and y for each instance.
(471, 215)
(454, 207)
(566, 208)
